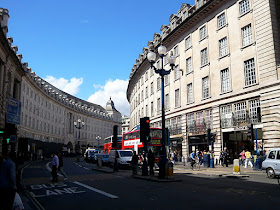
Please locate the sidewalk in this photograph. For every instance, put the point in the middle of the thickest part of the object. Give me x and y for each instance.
(219, 171)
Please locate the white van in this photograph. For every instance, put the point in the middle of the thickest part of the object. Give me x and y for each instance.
(123, 157)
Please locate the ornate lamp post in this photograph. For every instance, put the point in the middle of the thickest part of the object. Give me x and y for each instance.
(162, 72)
(98, 138)
(79, 124)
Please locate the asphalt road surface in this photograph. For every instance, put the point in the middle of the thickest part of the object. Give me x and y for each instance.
(90, 189)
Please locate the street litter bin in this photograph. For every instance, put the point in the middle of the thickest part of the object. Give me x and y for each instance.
(206, 160)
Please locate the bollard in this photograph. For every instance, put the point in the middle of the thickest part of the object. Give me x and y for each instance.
(169, 170)
(236, 167)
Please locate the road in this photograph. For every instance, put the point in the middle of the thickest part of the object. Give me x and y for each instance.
(90, 189)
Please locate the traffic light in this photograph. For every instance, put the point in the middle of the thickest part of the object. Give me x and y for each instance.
(145, 129)
(251, 132)
(8, 140)
(208, 136)
(115, 136)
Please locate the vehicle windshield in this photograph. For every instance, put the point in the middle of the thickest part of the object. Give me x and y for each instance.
(91, 153)
(126, 153)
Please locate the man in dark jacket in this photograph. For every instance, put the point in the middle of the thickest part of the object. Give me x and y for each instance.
(134, 163)
(151, 161)
(60, 166)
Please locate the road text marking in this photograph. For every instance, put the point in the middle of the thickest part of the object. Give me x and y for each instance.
(96, 190)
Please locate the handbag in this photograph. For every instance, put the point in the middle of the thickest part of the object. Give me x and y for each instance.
(17, 205)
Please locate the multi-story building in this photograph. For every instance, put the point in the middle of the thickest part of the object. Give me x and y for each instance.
(226, 76)
(46, 113)
(125, 124)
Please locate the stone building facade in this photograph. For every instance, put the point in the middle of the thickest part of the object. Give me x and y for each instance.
(47, 114)
(226, 77)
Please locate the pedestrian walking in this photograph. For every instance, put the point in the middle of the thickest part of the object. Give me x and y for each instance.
(55, 164)
(242, 157)
(221, 160)
(248, 159)
(7, 182)
(134, 163)
(60, 166)
(151, 161)
(225, 157)
(193, 158)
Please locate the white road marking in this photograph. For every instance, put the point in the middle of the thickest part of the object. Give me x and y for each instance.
(96, 190)
(86, 168)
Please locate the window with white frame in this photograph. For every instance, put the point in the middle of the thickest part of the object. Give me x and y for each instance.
(147, 110)
(158, 105)
(250, 74)
(146, 92)
(142, 96)
(202, 33)
(159, 64)
(176, 51)
(189, 93)
(158, 83)
(190, 120)
(152, 88)
(223, 47)
(142, 80)
(199, 118)
(177, 98)
(188, 42)
(188, 65)
(225, 85)
(240, 110)
(209, 118)
(221, 20)
(166, 79)
(253, 105)
(205, 87)
(204, 57)
(177, 72)
(247, 37)
(244, 6)
(167, 102)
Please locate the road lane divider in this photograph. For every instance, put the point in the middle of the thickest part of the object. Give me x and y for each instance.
(96, 190)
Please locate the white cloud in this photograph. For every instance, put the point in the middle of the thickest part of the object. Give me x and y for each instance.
(69, 86)
(116, 90)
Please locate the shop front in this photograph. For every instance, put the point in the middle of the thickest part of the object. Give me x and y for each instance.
(236, 141)
(198, 142)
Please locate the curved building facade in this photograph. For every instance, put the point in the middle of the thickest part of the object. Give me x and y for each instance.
(46, 114)
(226, 77)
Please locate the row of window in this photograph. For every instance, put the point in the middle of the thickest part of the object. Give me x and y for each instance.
(223, 51)
(250, 79)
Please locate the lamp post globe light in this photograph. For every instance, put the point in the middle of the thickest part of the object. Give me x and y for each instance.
(151, 56)
(79, 125)
(98, 138)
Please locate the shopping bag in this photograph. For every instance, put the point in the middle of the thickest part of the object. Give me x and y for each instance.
(18, 205)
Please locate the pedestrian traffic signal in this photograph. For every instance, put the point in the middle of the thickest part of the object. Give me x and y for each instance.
(8, 140)
(251, 132)
(211, 137)
(145, 129)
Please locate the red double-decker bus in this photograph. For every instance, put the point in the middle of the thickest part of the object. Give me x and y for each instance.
(108, 142)
(131, 140)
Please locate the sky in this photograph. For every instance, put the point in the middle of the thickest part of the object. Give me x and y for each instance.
(87, 48)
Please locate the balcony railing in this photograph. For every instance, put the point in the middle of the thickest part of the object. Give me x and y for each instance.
(239, 122)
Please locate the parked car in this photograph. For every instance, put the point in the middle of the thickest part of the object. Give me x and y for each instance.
(89, 154)
(104, 158)
(123, 157)
(271, 165)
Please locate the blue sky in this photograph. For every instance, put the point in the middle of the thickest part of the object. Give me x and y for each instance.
(85, 47)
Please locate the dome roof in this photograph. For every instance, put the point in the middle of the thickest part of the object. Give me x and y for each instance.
(110, 105)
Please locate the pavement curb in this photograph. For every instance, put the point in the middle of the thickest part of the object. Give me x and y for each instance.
(155, 179)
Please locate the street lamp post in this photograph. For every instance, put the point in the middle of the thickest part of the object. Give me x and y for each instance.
(98, 138)
(162, 72)
(79, 124)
